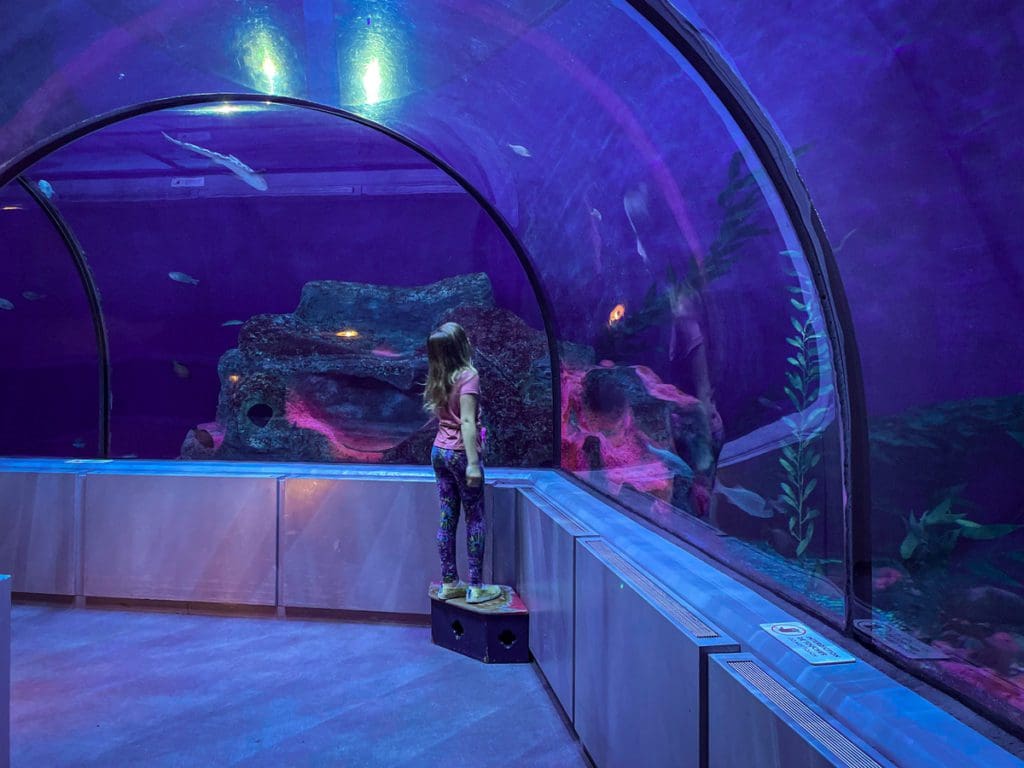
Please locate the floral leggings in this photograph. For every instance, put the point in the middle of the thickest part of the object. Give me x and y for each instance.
(450, 471)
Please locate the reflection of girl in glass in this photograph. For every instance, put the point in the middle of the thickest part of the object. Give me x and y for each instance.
(452, 394)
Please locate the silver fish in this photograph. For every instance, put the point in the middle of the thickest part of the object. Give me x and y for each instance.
(79, 444)
(673, 462)
(635, 204)
(32, 296)
(46, 188)
(754, 504)
(181, 277)
(520, 150)
(232, 163)
(180, 370)
(842, 242)
(5, 304)
(229, 323)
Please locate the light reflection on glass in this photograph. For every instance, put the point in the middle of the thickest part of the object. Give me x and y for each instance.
(368, 64)
(264, 53)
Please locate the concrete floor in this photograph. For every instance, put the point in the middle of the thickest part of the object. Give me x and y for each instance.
(92, 687)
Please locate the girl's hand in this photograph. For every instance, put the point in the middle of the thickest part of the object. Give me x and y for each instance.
(474, 475)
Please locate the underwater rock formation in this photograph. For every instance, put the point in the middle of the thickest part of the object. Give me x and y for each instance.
(627, 427)
(340, 379)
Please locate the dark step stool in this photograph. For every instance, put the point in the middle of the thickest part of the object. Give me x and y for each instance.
(495, 632)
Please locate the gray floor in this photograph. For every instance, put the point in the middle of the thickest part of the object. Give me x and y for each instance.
(107, 688)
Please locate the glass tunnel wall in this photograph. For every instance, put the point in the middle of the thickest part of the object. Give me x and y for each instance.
(697, 380)
(268, 314)
(909, 121)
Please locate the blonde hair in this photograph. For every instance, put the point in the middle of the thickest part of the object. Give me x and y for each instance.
(449, 353)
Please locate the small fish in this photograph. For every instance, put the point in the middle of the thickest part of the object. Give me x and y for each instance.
(520, 150)
(46, 188)
(615, 316)
(32, 296)
(842, 242)
(594, 233)
(181, 277)
(5, 304)
(180, 370)
(232, 163)
(634, 202)
(79, 444)
(769, 404)
(229, 323)
(385, 352)
(754, 504)
(673, 462)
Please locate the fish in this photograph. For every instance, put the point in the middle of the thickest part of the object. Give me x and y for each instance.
(842, 242)
(673, 462)
(754, 504)
(615, 316)
(769, 404)
(228, 323)
(180, 370)
(181, 277)
(46, 188)
(32, 296)
(79, 444)
(385, 352)
(594, 232)
(634, 202)
(520, 150)
(5, 304)
(232, 163)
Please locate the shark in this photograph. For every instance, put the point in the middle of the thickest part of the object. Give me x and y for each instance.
(232, 163)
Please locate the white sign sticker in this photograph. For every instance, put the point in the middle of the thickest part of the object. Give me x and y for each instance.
(814, 648)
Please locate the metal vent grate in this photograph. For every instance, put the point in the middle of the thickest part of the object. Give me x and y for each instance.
(849, 753)
(657, 594)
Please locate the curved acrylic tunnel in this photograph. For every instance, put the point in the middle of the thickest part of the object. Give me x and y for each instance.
(707, 364)
(696, 366)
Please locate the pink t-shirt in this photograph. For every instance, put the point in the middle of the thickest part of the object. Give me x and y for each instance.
(449, 415)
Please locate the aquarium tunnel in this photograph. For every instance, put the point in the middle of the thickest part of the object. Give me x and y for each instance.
(744, 287)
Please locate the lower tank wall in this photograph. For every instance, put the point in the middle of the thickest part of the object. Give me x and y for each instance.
(5, 671)
(617, 646)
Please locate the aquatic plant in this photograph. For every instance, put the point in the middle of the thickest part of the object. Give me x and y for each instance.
(807, 366)
(934, 535)
(740, 201)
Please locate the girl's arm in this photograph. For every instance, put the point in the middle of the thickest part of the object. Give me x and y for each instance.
(474, 472)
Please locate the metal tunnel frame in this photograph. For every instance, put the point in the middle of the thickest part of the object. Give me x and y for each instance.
(22, 163)
(99, 323)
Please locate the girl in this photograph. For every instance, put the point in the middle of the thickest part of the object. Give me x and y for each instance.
(452, 394)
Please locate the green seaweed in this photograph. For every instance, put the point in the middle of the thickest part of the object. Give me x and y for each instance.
(804, 386)
(933, 536)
